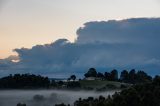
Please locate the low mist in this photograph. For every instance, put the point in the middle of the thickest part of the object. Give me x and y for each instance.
(45, 97)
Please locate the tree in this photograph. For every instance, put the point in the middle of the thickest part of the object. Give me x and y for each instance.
(53, 83)
(69, 79)
(73, 77)
(142, 77)
(20, 104)
(107, 75)
(124, 76)
(114, 75)
(132, 76)
(18, 81)
(156, 80)
(60, 83)
(100, 75)
(91, 73)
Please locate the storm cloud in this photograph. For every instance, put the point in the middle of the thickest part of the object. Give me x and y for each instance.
(118, 44)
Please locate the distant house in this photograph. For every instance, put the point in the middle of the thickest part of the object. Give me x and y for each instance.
(90, 78)
(58, 79)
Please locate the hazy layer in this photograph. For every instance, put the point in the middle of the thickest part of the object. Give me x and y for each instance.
(45, 97)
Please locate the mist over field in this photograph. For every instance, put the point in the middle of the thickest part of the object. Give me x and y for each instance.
(45, 97)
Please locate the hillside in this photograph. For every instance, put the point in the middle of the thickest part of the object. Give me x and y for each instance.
(102, 85)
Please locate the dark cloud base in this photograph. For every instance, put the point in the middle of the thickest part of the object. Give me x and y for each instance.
(124, 44)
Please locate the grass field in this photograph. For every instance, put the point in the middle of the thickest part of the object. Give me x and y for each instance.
(101, 84)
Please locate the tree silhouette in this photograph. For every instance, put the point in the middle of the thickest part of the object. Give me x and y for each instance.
(114, 75)
(124, 76)
(21, 104)
(100, 75)
(132, 76)
(18, 81)
(107, 76)
(91, 73)
(73, 77)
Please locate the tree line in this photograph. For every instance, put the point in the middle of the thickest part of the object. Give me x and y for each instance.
(126, 76)
(18, 81)
(31, 81)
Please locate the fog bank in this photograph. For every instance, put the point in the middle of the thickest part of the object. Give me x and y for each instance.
(45, 97)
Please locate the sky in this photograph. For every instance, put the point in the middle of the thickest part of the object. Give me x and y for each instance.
(57, 38)
(25, 23)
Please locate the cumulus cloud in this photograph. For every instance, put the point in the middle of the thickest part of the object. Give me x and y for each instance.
(135, 30)
(123, 44)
